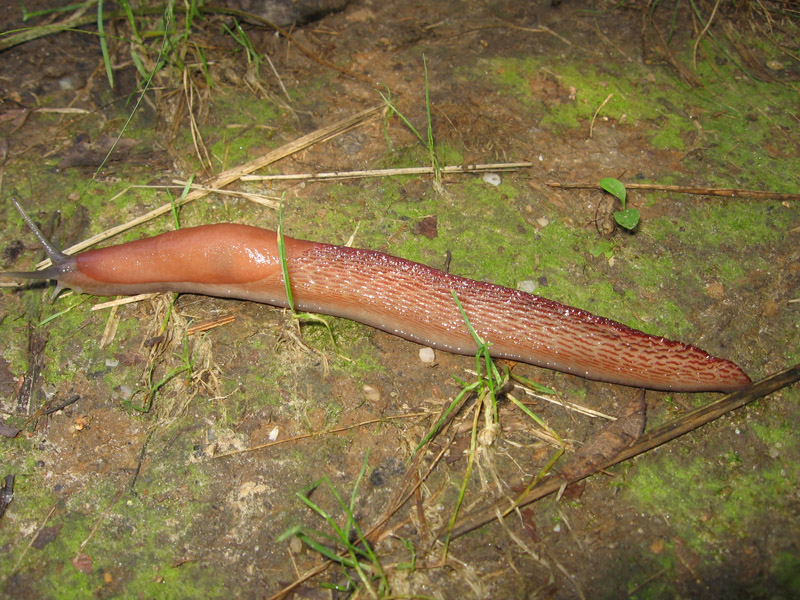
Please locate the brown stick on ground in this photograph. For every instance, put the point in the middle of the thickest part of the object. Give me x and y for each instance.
(682, 189)
(666, 432)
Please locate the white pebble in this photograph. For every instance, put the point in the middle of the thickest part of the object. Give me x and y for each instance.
(273, 435)
(527, 285)
(371, 394)
(427, 355)
(492, 179)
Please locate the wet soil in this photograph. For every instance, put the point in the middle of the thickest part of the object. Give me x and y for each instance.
(162, 478)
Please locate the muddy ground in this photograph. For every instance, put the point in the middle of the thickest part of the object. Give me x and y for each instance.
(157, 477)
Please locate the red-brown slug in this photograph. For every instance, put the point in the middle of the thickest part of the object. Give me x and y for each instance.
(392, 294)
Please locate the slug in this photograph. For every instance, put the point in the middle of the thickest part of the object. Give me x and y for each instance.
(395, 295)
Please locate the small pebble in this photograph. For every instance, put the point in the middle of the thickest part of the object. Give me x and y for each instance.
(527, 285)
(273, 435)
(123, 392)
(427, 355)
(295, 545)
(492, 179)
(371, 394)
(112, 362)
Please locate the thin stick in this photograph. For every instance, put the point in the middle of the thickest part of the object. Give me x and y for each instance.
(594, 116)
(125, 300)
(231, 175)
(682, 189)
(313, 434)
(206, 325)
(30, 542)
(665, 433)
(476, 168)
(702, 33)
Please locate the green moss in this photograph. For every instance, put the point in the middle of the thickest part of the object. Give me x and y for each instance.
(779, 435)
(715, 234)
(136, 533)
(230, 135)
(572, 92)
(786, 572)
(730, 501)
(740, 124)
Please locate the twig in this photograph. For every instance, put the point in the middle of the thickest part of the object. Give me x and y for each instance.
(313, 434)
(206, 325)
(231, 175)
(98, 522)
(476, 168)
(44, 410)
(594, 116)
(30, 542)
(125, 300)
(505, 25)
(682, 189)
(702, 33)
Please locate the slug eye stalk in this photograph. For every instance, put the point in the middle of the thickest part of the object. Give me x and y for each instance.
(62, 263)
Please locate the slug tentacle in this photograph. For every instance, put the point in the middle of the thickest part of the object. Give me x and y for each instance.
(52, 252)
(62, 263)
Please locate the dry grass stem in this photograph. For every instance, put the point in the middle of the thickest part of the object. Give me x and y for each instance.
(590, 412)
(120, 301)
(682, 189)
(448, 170)
(207, 325)
(227, 177)
(702, 34)
(594, 116)
(314, 434)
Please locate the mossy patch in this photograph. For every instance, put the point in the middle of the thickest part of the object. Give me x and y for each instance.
(564, 93)
(716, 501)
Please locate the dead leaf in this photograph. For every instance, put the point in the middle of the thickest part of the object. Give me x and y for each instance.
(83, 563)
(84, 153)
(427, 227)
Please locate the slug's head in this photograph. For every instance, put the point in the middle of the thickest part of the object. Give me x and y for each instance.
(62, 265)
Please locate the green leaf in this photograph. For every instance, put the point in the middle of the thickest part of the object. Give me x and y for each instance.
(628, 218)
(604, 247)
(614, 187)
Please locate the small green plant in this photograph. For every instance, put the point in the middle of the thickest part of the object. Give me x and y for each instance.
(427, 141)
(186, 367)
(287, 285)
(241, 38)
(175, 205)
(627, 217)
(489, 383)
(347, 546)
(604, 247)
(733, 458)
